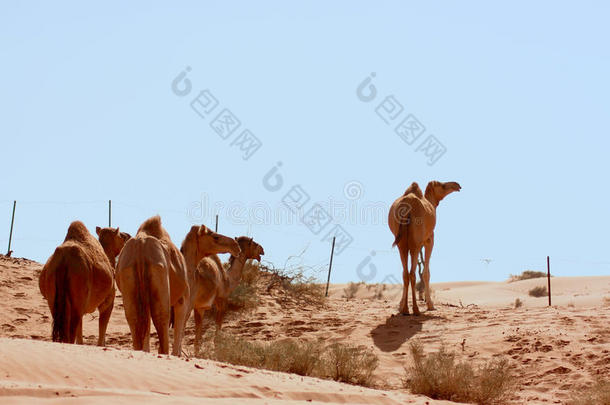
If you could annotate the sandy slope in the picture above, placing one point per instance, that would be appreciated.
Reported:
(554, 350)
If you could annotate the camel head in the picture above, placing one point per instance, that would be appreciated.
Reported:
(437, 190)
(112, 240)
(249, 248)
(212, 242)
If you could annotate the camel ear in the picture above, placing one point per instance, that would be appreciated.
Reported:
(196, 228)
(98, 230)
(117, 231)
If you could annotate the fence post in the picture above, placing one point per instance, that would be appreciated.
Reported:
(548, 276)
(10, 237)
(216, 227)
(330, 266)
(109, 213)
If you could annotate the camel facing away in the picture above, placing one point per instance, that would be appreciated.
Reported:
(112, 241)
(412, 219)
(77, 279)
(151, 275)
(215, 284)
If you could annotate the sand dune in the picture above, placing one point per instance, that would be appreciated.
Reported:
(553, 350)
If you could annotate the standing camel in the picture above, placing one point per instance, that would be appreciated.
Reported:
(112, 241)
(202, 242)
(215, 284)
(77, 279)
(412, 218)
(151, 275)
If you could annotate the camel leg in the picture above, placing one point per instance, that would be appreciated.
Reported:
(413, 277)
(180, 314)
(105, 309)
(79, 332)
(404, 302)
(429, 244)
(199, 312)
(221, 307)
(160, 318)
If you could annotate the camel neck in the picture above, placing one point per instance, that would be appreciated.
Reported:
(432, 199)
(236, 266)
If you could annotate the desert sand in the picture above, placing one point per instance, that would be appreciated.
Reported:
(554, 350)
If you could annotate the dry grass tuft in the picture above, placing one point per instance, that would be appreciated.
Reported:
(526, 275)
(598, 394)
(350, 291)
(518, 303)
(539, 291)
(439, 376)
(354, 365)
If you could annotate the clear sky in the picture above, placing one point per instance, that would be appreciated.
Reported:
(517, 95)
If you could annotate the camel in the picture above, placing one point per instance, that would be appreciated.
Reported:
(202, 242)
(75, 280)
(112, 241)
(151, 275)
(411, 219)
(215, 284)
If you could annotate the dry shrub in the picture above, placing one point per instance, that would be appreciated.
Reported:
(351, 364)
(518, 303)
(295, 283)
(338, 362)
(526, 275)
(379, 292)
(598, 394)
(606, 301)
(539, 291)
(439, 376)
(350, 291)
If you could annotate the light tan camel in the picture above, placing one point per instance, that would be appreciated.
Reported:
(112, 241)
(202, 242)
(412, 218)
(151, 275)
(77, 279)
(215, 284)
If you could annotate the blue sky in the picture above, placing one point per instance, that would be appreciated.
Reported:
(518, 95)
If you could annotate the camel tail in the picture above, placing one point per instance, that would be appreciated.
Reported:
(61, 304)
(142, 287)
(402, 230)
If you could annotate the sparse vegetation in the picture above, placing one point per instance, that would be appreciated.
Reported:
(439, 376)
(598, 394)
(539, 291)
(294, 283)
(526, 275)
(354, 365)
(350, 291)
(340, 362)
(518, 303)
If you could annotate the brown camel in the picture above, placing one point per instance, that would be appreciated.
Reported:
(412, 218)
(77, 279)
(215, 284)
(112, 241)
(151, 274)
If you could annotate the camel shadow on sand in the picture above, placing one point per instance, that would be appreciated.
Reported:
(397, 329)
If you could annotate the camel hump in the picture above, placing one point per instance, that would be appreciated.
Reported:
(208, 269)
(152, 226)
(77, 231)
(414, 189)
